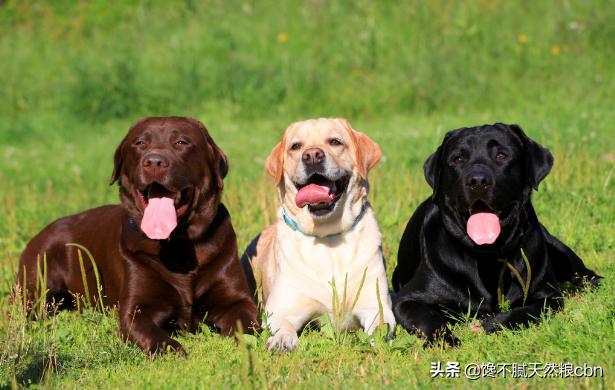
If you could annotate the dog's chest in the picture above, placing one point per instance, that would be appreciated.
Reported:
(187, 292)
(185, 274)
(314, 264)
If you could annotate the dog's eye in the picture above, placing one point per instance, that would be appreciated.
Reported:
(181, 142)
(501, 156)
(139, 142)
(457, 160)
(296, 146)
(334, 142)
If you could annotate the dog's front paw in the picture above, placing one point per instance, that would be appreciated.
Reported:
(493, 324)
(282, 342)
(167, 345)
(441, 336)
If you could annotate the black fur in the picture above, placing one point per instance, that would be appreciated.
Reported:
(441, 272)
(247, 267)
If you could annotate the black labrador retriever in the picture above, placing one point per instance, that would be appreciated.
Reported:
(476, 244)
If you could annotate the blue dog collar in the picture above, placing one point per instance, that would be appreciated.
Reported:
(295, 226)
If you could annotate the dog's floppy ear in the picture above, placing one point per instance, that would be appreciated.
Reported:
(220, 161)
(275, 161)
(118, 161)
(222, 164)
(118, 158)
(433, 165)
(538, 159)
(367, 152)
(432, 168)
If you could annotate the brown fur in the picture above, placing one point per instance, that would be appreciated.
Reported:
(159, 285)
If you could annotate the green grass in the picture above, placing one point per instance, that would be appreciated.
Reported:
(75, 76)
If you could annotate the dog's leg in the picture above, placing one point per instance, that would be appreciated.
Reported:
(284, 330)
(368, 311)
(287, 312)
(142, 326)
(370, 319)
(424, 320)
(521, 315)
(43, 273)
(227, 313)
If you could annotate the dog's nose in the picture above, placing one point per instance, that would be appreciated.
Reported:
(155, 163)
(313, 156)
(478, 180)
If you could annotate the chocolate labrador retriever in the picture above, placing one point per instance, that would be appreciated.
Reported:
(476, 244)
(167, 255)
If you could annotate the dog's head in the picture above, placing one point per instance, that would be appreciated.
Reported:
(320, 168)
(170, 172)
(482, 178)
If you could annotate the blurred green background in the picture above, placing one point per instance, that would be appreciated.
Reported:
(95, 61)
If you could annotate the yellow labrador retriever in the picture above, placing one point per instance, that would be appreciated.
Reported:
(326, 234)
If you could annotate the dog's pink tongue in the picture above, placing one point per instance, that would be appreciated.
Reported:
(159, 218)
(312, 194)
(483, 228)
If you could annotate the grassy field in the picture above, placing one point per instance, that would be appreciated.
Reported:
(75, 75)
